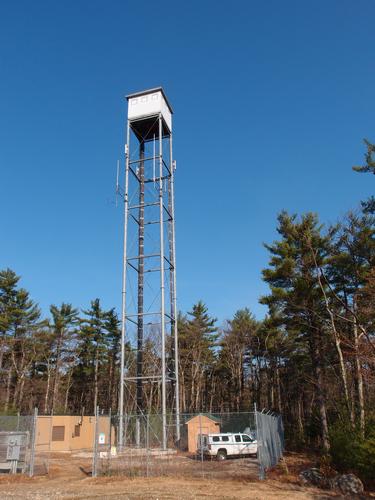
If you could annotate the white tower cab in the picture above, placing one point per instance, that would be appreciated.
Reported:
(149, 353)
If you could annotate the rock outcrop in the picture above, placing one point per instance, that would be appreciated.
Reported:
(315, 477)
(347, 484)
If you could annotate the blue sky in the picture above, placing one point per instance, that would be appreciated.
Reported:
(272, 100)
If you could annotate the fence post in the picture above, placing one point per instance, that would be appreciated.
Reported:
(200, 442)
(110, 429)
(50, 419)
(259, 444)
(138, 432)
(33, 443)
(95, 444)
(147, 442)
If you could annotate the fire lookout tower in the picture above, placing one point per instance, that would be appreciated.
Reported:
(149, 313)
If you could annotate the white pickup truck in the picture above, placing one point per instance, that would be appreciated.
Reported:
(226, 445)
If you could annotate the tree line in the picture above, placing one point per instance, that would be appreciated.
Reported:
(312, 358)
(58, 364)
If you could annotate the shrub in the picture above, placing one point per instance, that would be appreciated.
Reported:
(352, 453)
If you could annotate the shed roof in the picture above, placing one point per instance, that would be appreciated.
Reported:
(207, 415)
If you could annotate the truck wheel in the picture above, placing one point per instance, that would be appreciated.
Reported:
(221, 455)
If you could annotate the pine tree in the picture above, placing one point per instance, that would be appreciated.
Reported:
(368, 205)
(352, 259)
(295, 294)
(19, 321)
(64, 321)
(369, 165)
(236, 348)
(197, 339)
(93, 346)
(112, 327)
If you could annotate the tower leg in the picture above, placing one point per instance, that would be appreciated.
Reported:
(162, 290)
(141, 236)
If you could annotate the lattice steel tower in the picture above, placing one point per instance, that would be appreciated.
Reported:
(149, 375)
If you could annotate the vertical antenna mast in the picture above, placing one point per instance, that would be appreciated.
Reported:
(123, 301)
(117, 179)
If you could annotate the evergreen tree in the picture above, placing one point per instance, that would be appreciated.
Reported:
(19, 321)
(352, 259)
(295, 294)
(369, 165)
(93, 345)
(112, 327)
(236, 346)
(368, 205)
(197, 340)
(64, 321)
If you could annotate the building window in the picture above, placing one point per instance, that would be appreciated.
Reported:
(58, 433)
(77, 430)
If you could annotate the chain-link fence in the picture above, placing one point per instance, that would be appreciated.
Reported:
(24, 446)
(214, 445)
(270, 437)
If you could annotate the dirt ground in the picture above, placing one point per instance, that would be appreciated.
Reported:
(69, 478)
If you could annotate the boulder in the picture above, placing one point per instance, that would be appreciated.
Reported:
(348, 484)
(313, 477)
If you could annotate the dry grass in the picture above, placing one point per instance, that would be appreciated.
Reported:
(68, 479)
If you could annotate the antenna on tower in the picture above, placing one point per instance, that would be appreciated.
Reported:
(117, 178)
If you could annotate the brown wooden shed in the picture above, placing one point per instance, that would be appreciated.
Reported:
(200, 424)
(70, 433)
